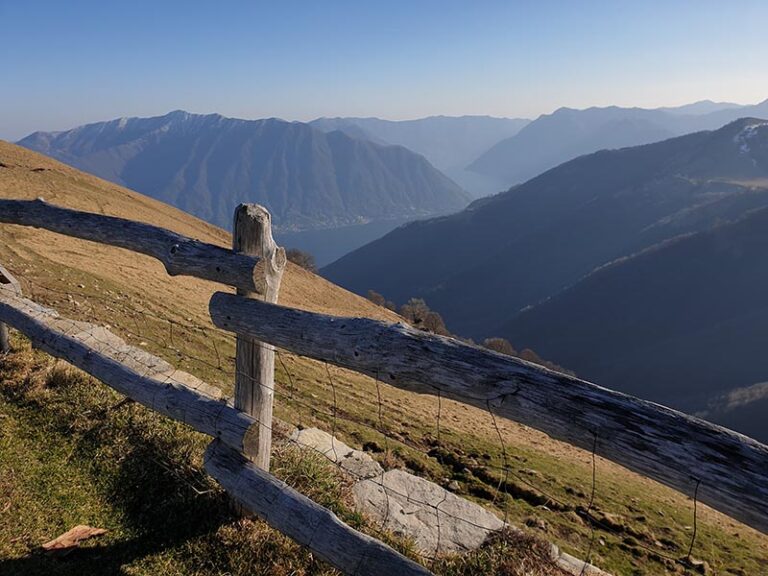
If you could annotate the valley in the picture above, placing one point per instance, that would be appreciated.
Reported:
(502, 260)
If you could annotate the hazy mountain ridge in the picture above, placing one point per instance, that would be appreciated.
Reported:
(701, 107)
(681, 323)
(446, 141)
(450, 143)
(480, 267)
(205, 164)
(567, 133)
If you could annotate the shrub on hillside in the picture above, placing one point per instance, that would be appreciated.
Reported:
(301, 258)
(501, 345)
(376, 298)
(421, 316)
(379, 300)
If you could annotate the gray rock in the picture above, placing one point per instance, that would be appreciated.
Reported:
(434, 518)
(355, 462)
(573, 565)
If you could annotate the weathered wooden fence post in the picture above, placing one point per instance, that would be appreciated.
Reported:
(254, 360)
(7, 281)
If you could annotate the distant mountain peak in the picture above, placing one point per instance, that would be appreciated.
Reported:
(741, 123)
(207, 163)
(568, 133)
(747, 127)
(180, 114)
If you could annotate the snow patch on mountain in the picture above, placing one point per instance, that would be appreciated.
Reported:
(746, 134)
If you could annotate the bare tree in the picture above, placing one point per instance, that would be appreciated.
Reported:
(301, 258)
(501, 345)
(421, 316)
(376, 298)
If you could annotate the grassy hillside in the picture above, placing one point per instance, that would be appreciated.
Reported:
(71, 453)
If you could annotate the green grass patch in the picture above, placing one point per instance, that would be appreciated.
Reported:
(74, 452)
(548, 491)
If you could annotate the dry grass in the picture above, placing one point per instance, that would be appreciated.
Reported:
(109, 283)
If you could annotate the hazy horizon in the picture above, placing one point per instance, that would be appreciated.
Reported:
(381, 117)
(69, 64)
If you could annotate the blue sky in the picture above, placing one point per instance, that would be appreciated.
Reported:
(70, 62)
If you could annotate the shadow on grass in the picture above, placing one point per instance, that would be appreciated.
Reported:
(158, 507)
(106, 560)
(140, 465)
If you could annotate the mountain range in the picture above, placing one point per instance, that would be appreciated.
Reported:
(565, 134)
(503, 264)
(449, 143)
(206, 164)
(335, 184)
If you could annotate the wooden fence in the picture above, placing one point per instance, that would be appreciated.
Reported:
(730, 470)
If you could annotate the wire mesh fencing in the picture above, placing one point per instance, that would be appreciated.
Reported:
(435, 441)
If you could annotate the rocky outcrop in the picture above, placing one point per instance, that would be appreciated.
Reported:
(355, 462)
(435, 519)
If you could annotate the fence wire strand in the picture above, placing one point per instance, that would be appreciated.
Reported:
(695, 517)
(591, 503)
(379, 405)
(293, 396)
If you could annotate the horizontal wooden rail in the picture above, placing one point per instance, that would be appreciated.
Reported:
(139, 375)
(8, 282)
(179, 254)
(300, 518)
(673, 448)
(156, 384)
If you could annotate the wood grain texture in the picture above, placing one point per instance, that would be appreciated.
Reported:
(5, 339)
(655, 441)
(179, 254)
(8, 282)
(132, 371)
(303, 520)
(255, 361)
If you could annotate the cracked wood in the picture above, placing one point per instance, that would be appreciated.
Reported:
(655, 441)
(179, 254)
(131, 371)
